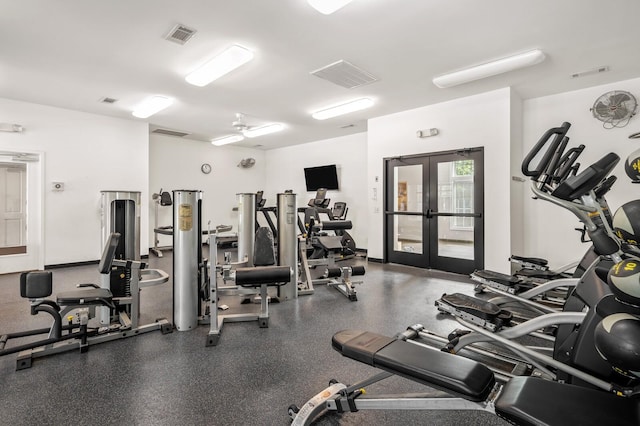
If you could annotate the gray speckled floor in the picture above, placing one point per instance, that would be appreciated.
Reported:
(250, 378)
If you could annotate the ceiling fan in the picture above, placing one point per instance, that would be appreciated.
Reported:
(245, 130)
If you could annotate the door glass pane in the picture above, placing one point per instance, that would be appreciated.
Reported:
(407, 234)
(453, 242)
(455, 195)
(407, 188)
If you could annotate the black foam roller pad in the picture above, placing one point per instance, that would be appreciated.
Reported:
(253, 277)
(357, 270)
(334, 225)
(332, 273)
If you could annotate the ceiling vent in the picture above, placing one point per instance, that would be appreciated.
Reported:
(169, 132)
(345, 74)
(107, 100)
(589, 72)
(180, 34)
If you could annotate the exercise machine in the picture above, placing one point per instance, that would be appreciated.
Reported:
(79, 307)
(471, 385)
(196, 289)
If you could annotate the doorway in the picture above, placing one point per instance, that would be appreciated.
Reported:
(434, 210)
(21, 240)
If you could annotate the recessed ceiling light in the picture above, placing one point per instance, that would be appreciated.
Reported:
(342, 109)
(227, 139)
(489, 69)
(263, 130)
(230, 59)
(327, 7)
(151, 106)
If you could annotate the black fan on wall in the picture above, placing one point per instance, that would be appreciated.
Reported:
(615, 108)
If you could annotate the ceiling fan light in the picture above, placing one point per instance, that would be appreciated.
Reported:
(342, 109)
(151, 106)
(327, 7)
(253, 132)
(227, 140)
(490, 69)
(227, 61)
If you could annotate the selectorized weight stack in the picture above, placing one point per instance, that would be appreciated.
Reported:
(187, 252)
(288, 242)
(120, 214)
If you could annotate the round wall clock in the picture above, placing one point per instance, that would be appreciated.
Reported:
(206, 168)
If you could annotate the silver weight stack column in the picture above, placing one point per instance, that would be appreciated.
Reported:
(120, 213)
(288, 242)
(187, 252)
(246, 227)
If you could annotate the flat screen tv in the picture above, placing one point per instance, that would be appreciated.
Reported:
(321, 177)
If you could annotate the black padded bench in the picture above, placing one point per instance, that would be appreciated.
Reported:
(453, 374)
(522, 401)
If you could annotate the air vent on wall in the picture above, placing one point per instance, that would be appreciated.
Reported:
(169, 132)
(180, 34)
(345, 74)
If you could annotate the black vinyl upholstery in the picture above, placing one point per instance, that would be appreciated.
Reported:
(456, 375)
(534, 401)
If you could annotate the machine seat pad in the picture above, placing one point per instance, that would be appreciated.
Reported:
(453, 374)
(330, 242)
(86, 296)
(259, 275)
(535, 401)
(504, 279)
(534, 260)
(472, 305)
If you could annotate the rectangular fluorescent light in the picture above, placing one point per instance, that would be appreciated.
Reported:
(230, 59)
(227, 139)
(342, 109)
(489, 69)
(151, 106)
(327, 7)
(263, 130)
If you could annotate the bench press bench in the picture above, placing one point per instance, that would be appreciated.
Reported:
(521, 401)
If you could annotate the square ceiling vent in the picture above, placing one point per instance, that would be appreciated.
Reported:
(345, 74)
(180, 34)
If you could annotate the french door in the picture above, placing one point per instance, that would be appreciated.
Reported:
(434, 210)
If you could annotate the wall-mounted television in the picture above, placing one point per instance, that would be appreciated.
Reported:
(321, 177)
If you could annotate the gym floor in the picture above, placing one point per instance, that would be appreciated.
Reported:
(249, 378)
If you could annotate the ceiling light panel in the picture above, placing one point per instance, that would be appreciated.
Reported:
(345, 74)
(263, 130)
(327, 7)
(227, 140)
(227, 61)
(151, 106)
(334, 111)
(489, 69)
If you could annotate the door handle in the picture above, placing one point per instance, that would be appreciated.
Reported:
(432, 213)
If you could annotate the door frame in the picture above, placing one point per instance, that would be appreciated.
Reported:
(34, 258)
(429, 258)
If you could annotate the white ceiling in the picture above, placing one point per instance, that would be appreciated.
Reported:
(72, 53)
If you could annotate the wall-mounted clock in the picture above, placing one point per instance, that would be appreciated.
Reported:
(206, 168)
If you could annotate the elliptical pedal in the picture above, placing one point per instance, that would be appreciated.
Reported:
(477, 311)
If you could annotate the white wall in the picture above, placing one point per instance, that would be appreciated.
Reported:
(549, 232)
(89, 153)
(477, 121)
(175, 164)
(518, 186)
(285, 170)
